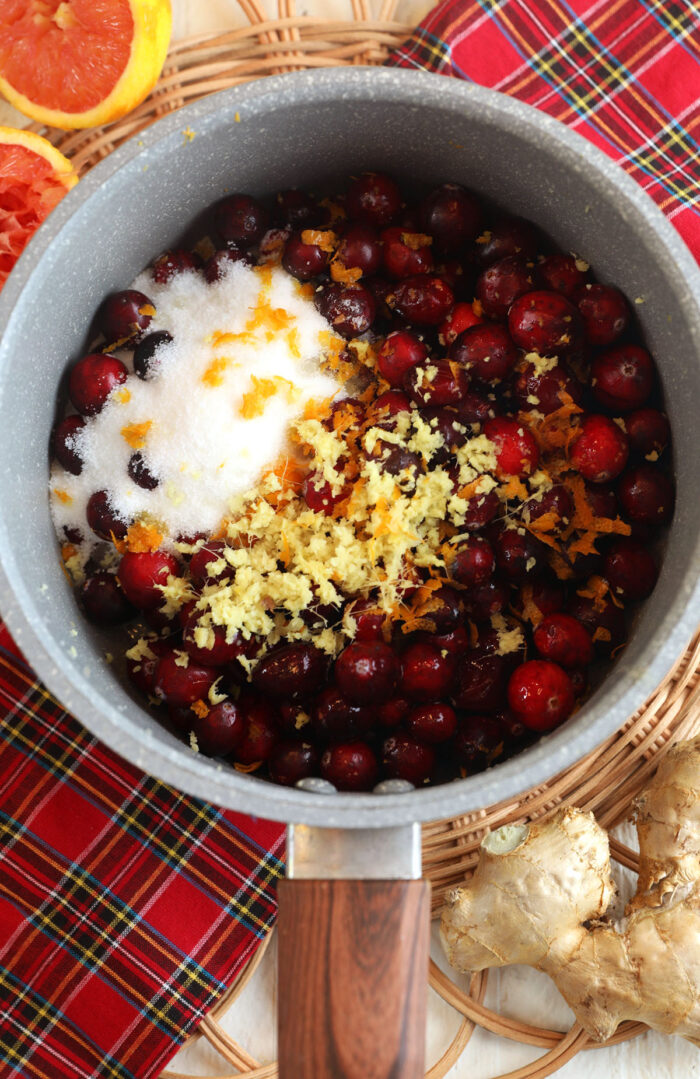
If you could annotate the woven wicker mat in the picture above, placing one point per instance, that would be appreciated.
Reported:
(607, 780)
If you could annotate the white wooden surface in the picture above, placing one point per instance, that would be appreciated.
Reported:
(515, 991)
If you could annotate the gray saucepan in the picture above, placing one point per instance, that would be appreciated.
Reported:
(295, 130)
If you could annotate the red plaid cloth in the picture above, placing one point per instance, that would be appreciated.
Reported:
(624, 73)
(126, 907)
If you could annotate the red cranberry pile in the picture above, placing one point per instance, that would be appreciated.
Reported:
(523, 346)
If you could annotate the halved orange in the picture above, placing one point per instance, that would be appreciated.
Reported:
(34, 176)
(81, 63)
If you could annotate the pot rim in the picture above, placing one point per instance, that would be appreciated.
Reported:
(205, 778)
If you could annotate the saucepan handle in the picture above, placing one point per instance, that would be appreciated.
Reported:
(353, 969)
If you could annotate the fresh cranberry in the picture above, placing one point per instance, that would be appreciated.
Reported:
(319, 495)
(360, 249)
(143, 574)
(515, 447)
(505, 237)
(366, 619)
(350, 766)
(492, 638)
(240, 219)
(545, 322)
(604, 312)
(460, 318)
(318, 616)
(445, 609)
(630, 569)
(174, 262)
(623, 377)
(600, 452)
(299, 209)
(206, 567)
(102, 517)
(455, 641)
(367, 672)
(541, 694)
(403, 464)
(564, 640)
(294, 670)
(480, 510)
(475, 408)
(556, 500)
(423, 299)
(426, 673)
(406, 253)
(146, 353)
(604, 621)
(579, 681)
(216, 266)
(432, 722)
(104, 601)
(350, 309)
(486, 352)
(500, 285)
(375, 198)
(392, 713)
(140, 473)
(437, 383)
(399, 353)
(260, 735)
(480, 682)
(303, 260)
(63, 444)
(602, 500)
(479, 742)
(142, 672)
(405, 758)
(387, 405)
(216, 652)
(548, 391)
(292, 761)
(336, 719)
(562, 273)
(648, 431)
(221, 730)
(452, 215)
(474, 561)
(484, 600)
(178, 684)
(93, 379)
(519, 555)
(125, 316)
(545, 595)
(445, 423)
(646, 494)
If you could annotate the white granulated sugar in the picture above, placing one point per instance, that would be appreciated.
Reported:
(252, 324)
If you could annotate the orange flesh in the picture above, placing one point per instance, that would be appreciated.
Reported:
(65, 54)
(29, 191)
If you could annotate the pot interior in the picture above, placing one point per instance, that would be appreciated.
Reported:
(309, 130)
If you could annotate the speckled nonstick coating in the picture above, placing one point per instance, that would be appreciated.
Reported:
(294, 129)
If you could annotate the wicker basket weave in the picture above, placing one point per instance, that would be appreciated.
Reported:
(606, 780)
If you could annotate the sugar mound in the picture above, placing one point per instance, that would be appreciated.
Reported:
(244, 361)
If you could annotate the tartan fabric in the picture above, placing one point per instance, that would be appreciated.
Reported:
(623, 73)
(126, 907)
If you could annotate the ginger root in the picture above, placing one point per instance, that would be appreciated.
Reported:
(540, 893)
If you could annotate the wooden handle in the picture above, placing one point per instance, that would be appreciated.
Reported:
(353, 978)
